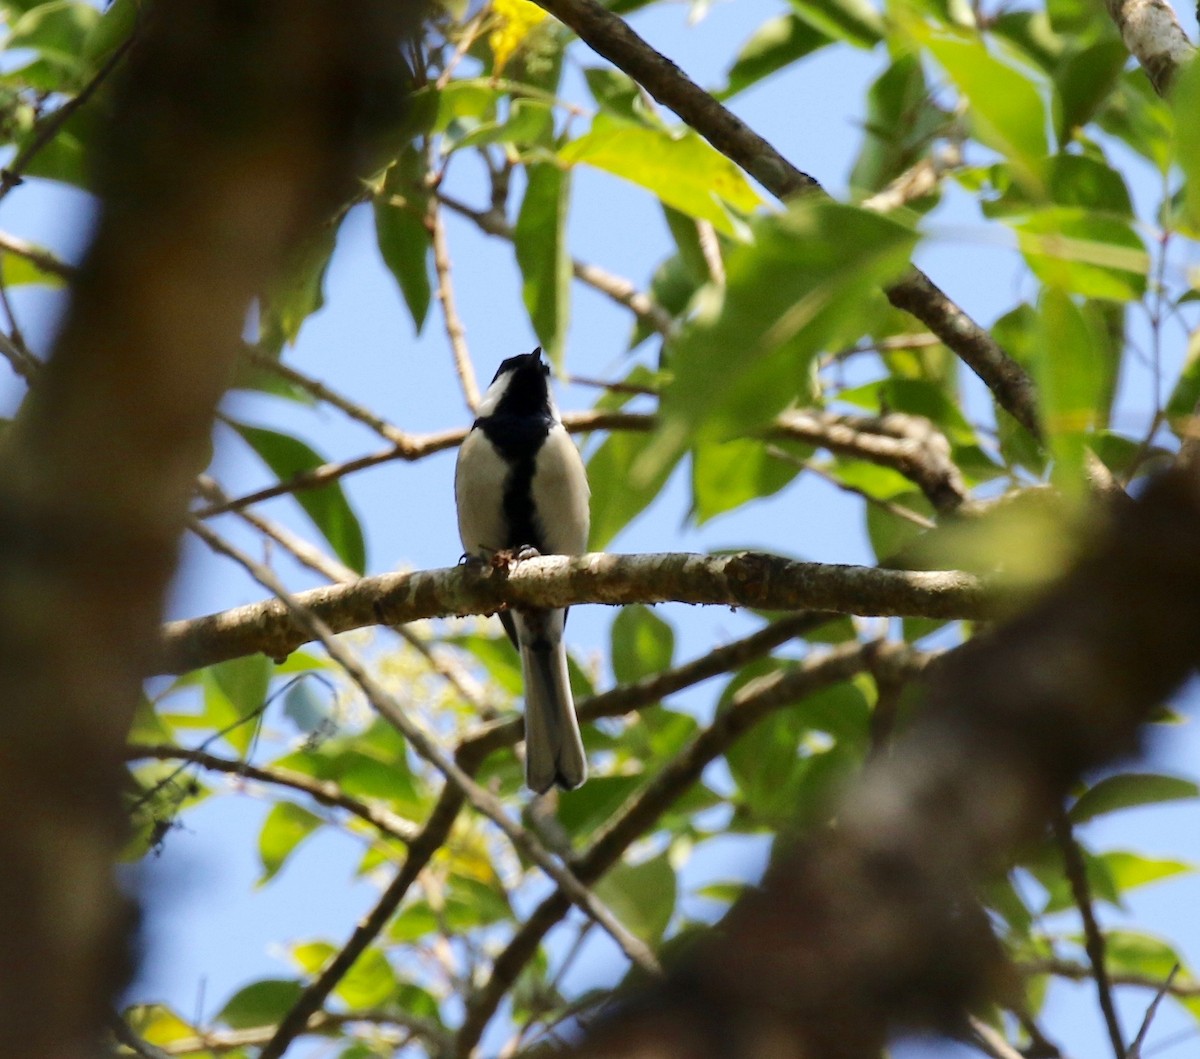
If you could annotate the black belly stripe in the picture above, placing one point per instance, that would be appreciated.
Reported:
(518, 439)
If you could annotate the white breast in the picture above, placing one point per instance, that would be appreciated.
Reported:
(560, 494)
(479, 478)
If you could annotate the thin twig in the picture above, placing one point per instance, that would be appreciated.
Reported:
(483, 801)
(1079, 972)
(455, 331)
(326, 792)
(750, 705)
(52, 124)
(1135, 1049)
(321, 392)
(618, 288)
(1076, 871)
(991, 1042)
(135, 1042)
(39, 257)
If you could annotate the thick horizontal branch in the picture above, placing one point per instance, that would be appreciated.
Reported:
(747, 579)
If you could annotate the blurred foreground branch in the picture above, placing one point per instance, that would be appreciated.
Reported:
(238, 127)
(867, 928)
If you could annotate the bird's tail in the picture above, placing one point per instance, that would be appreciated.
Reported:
(553, 747)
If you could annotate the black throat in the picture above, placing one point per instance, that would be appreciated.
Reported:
(517, 428)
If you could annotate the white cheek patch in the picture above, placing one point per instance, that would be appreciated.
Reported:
(495, 393)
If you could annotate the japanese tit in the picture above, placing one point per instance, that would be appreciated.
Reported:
(520, 483)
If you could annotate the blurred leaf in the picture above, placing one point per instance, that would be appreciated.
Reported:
(404, 244)
(369, 983)
(729, 473)
(1069, 372)
(111, 30)
(617, 498)
(902, 121)
(1006, 112)
(618, 94)
(262, 1003)
(471, 904)
(158, 1024)
(1181, 405)
(1088, 183)
(56, 31)
(326, 505)
(514, 20)
(307, 710)
(583, 810)
(245, 681)
(777, 43)
(1137, 116)
(800, 287)
(497, 656)
(1128, 790)
(642, 896)
(1185, 102)
(286, 826)
(1083, 81)
(540, 240)
(1086, 253)
(642, 644)
(414, 921)
(17, 270)
(890, 534)
(298, 292)
(680, 168)
(855, 22)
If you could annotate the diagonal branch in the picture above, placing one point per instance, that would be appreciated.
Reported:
(481, 800)
(746, 579)
(750, 706)
(608, 35)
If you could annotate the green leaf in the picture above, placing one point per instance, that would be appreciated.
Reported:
(581, 811)
(17, 270)
(404, 244)
(1128, 790)
(680, 168)
(1069, 371)
(856, 22)
(326, 505)
(1138, 116)
(298, 292)
(244, 681)
(57, 31)
(1088, 183)
(642, 896)
(1185, 102)
(286, 826)
(1006, 111)
(111, 30)
(616, 498)
(369, 983)
(777, 43)
(618, 94)
(1083, 81)
(642, 644)
(902, 121)
(729, 473)
(540, 240)
(1181, 405)
(1086, 253)
(262, 1003)
(800, 287)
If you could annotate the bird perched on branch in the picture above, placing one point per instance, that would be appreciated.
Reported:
(520, 485)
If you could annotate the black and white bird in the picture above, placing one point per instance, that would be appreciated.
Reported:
(520, 483)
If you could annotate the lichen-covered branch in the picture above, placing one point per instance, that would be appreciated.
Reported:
(1153, 35)
(747, 579)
